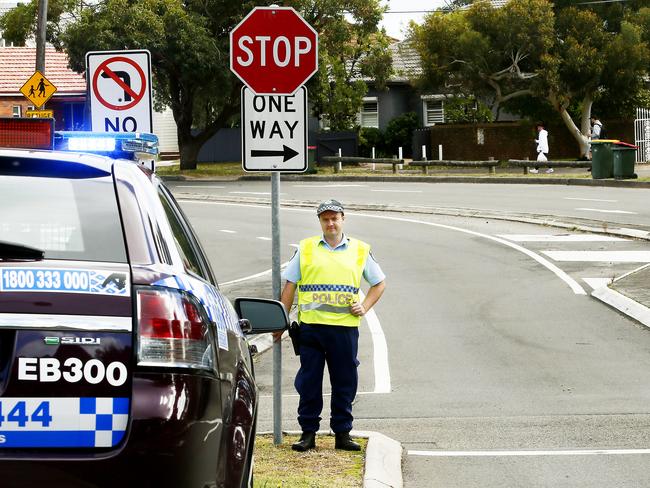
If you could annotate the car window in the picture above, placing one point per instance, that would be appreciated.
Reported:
(188, 253)
(74, 219)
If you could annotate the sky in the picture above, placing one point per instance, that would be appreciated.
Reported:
(396, 23)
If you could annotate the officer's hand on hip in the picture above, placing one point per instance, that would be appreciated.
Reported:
(357, 309)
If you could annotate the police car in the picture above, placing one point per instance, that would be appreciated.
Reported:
(121, 363)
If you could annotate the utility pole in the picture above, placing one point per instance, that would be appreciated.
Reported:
(41, 29)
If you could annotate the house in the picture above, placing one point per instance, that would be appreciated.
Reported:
(17, 65)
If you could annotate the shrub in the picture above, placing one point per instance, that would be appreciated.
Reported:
(399, 132)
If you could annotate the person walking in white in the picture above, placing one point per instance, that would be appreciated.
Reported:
(542, 147)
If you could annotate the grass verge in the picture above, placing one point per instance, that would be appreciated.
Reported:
(323, 467)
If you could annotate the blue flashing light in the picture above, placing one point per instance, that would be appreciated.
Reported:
(126, 145)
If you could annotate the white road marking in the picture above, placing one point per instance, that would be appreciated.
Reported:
(198, 186)
(632, 272)
(264, 238)
(256, 275)
(399, 191)
(590, 199)
(252, 193)
(560, 238)
(380, 351)
(597, 256)
(328, 186)
(574, 452)
(607, 211)
(294, 245)
(573, 284)
(636, 232)
(228, 231)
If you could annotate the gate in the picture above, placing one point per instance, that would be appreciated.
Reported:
(642, 134)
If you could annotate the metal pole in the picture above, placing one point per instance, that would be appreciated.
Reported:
(40, 36)
(276, 279)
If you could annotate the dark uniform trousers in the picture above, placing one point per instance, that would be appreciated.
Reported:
(337, 346)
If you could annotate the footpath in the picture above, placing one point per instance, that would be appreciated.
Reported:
(629, 294)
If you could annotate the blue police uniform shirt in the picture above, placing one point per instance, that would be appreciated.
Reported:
(372, 273)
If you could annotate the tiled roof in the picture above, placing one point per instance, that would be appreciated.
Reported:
(17, 64)
(406, 62)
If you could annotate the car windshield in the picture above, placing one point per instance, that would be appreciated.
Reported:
(67, 219)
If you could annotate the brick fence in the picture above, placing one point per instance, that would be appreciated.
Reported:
(512, 140)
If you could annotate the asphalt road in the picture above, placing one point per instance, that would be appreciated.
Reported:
(628, 206)
(501, 374)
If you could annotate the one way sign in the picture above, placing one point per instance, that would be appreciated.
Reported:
(274, 131)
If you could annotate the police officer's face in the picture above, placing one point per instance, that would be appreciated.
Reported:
(332, 223)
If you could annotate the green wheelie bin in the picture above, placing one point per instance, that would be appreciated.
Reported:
(624, 159)
(602, 158)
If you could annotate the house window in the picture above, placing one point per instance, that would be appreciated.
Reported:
(369, 115)
(16, 111)
(433, 109)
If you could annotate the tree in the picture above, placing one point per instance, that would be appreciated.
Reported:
(566, 57)
(189, 44)
(352, 52)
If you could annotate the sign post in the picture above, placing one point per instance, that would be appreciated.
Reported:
(119, 84)
(274, 51)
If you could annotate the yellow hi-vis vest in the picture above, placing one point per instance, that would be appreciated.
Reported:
(329, 282)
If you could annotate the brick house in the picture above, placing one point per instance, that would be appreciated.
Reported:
(17, 64)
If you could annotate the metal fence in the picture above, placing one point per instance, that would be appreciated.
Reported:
(642, 134)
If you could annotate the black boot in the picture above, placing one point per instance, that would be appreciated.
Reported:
(307, 441)
(345, 442)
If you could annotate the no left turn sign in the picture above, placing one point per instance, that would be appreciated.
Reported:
(120, 90)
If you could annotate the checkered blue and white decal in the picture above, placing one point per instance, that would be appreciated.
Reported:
(92, 281)
(63, 422)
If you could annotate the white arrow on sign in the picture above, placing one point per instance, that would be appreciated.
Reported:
(274, 131)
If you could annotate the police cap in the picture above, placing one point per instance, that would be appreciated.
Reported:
(333, 205)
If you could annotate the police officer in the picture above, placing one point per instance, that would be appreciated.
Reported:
(326, 270)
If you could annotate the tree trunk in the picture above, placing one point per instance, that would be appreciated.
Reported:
(581, 139)
(189, 150)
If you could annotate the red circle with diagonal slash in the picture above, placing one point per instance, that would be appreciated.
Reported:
(136, 96)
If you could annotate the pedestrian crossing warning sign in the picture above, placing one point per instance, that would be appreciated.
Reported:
(38, 89)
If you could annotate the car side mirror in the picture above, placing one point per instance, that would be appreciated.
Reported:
(263, 315)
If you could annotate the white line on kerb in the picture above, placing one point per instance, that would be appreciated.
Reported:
(590, 199)
(560, 238)
(576, 452)
(398, 191)
(606, 211)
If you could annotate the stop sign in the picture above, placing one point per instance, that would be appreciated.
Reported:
(273, 50)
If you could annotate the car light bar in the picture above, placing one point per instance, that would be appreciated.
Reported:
(128, 145)
(26, 133)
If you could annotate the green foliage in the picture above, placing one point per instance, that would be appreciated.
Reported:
(466, 110)
(189, 44)
(18, 23)
(399, 133)
(559, 55)
(370, 137)
(352, 51)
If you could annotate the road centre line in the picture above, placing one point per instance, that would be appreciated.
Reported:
(228, 231)
(600, 256)
(198, 186)
(606, 211)
(560, 238)
(574, 285)
(574, 452)
(590, 199)
(398, 191)
(329, 186)
(264, 238)
(266, 193)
